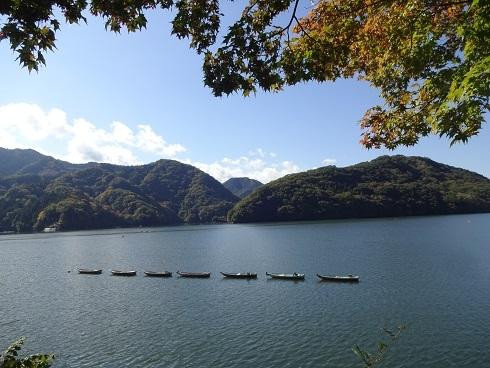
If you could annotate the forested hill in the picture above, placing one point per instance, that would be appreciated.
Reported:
(242, 187)
(386, 186)
(27, 161)
(38, 191)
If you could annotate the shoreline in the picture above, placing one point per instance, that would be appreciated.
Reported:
(186, 226)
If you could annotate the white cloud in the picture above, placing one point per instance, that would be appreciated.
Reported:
(261, 153)
(122, 133)
(31, 122)
(258, 152)
(88, 143)
(25, 125)
(28, 125)
(252, 167)
(329, 161)
(149, 141)
(7, 140)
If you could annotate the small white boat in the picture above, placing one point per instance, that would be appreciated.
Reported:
(348, 278)
(240, 275)
(49, 230)
(286, 276)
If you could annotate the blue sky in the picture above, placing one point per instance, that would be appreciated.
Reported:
(136, 98)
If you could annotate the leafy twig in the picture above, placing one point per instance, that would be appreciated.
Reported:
(372, 359)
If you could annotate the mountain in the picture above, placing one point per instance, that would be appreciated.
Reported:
(242, 187)
(27, 161)
(386, 186)
(38, 191)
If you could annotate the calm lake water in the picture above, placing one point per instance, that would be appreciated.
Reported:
(431, 273)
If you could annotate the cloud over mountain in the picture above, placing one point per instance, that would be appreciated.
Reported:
(28, 125)
(78, 140)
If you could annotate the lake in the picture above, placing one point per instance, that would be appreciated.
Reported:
(430, 273)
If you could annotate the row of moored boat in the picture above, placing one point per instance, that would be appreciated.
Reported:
(240, 275)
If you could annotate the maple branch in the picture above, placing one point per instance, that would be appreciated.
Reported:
(293, 17)
(302, 29)
(246, 12)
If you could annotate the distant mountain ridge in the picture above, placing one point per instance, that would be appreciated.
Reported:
(386, 186)
(38, 191)
(242, 187)
(30, 162)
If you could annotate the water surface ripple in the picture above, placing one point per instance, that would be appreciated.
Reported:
(432, 273)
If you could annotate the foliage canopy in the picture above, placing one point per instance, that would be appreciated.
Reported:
(10, 358)
(429, 59)
(372, 359)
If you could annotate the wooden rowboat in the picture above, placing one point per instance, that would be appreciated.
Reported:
(123, 273)
(86, 271)
(196, 275)
(242, 275)
(158, 274)
(348, 278)
(286, 276)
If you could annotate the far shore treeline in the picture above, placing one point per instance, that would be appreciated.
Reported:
(38, 191)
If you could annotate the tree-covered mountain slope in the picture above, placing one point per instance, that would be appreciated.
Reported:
(242, 187)
(27, 161)
(386, 186)
(38, 191)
